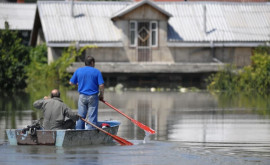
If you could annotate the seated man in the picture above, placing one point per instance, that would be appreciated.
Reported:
(55, 112)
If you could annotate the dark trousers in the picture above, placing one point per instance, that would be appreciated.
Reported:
(69, 124)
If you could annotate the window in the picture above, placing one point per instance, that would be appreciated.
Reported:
(133, 35)
(135, 29)
(154, 34)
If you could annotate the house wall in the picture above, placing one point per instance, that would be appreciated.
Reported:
(234, 55)
(240, 56)
(54, 53)
(191, 54)
(145, 13)
(108, 54)
(40, 37)
(162, 53)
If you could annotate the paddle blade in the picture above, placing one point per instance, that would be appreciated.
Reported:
(142, 126)
(121, 141)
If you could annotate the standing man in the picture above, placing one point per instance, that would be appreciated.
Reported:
(90, 84)
(55, 112)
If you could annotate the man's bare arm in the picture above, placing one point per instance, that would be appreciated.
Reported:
(101, 92)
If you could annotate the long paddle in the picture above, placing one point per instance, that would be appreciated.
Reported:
(142, 126)
(121, 141)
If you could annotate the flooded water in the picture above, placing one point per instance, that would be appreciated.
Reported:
(192, 128)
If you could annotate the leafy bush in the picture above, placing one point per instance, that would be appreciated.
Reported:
(43, 77)
(252, 78)
(223, 80)
(42, 74)
(50, 75)
(38, 64)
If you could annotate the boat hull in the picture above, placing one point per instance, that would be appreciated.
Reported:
(63, 137)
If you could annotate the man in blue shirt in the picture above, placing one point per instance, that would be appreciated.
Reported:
(90, 84)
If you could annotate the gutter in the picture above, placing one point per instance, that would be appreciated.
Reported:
(217, 44)
(77, 44)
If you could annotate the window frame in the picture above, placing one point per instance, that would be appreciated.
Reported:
(156, 35)
(135, 34)
(135, 31)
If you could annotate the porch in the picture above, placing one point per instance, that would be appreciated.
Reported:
(125, 67)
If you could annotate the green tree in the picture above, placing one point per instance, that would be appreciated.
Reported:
(14, 58)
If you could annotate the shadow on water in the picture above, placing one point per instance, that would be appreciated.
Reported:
(192, 128)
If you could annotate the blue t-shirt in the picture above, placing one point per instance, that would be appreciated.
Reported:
(88, 79)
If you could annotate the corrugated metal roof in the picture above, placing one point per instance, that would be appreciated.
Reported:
(91, 21)
(225, 22)
(19, 16)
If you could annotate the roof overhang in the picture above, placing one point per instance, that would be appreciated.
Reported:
(137, 5)
(78, 44)
(170, 44)
(218, 44)
(19, 16)
(127, 67)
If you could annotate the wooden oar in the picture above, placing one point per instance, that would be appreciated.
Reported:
(142, 126)
(121, 141)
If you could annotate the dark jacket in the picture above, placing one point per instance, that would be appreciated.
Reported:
(54, 112)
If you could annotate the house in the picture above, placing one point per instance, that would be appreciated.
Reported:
(20, 17)
(154, 40)
(243, 1)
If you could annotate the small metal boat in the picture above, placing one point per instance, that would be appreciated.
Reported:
(67, 137)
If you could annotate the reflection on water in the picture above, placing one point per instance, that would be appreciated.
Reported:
(189, 117)
(195, 127)
(212, 126)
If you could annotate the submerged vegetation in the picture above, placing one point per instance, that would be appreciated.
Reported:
(250, 79)
(43, 77)
(40, 73)
(252, 102)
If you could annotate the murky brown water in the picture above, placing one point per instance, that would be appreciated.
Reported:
(192, 128)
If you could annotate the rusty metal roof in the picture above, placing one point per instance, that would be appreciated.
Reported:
(19, 16)
(91, 21)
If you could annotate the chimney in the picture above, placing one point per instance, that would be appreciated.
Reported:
(72, 8)
(204, 20)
